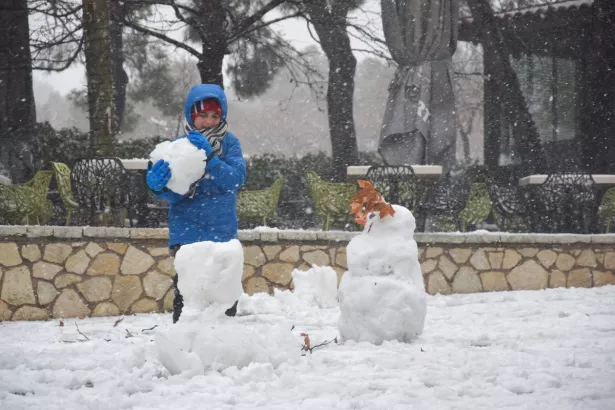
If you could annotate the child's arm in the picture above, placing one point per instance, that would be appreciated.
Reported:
(228, 174)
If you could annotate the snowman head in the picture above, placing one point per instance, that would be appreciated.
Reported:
(402, 223)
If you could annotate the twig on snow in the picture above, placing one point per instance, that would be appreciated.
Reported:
(87, 338)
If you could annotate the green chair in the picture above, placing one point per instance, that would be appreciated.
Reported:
(27, 201)
(62, 175)
(606, 211)
(331, 200)
(478, 206)
(259, 205)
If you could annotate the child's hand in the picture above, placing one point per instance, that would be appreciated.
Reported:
(158, 176)
(198, 140)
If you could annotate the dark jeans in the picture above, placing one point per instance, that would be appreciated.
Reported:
(178, 300)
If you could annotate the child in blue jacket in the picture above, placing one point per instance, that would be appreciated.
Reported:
(208, 211)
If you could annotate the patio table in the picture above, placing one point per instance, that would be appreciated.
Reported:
(603, 180)
(428, 173)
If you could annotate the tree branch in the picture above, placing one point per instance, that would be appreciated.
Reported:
(162, 37)
(249, 21)
(171, 3)
(238, 35)
(69, 61)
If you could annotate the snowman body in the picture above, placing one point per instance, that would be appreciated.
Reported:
(382, 295)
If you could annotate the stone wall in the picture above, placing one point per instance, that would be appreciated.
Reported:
(55, 272)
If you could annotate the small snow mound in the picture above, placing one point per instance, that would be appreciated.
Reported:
(186, 161)
(196, 347)
(316, 286)
(259, 303)
(210, 272)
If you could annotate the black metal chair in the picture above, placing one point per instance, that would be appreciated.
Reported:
(509, 206)
(564, 203)
(444, 201)
(102, 188)
(146, 210)
(397, 184)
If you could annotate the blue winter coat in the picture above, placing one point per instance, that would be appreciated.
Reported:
(211, 213)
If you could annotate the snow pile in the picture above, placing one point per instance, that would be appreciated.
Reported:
(382, 296)
(316, 286)
(552, 349)
(199, 345)
(209, 272)
(205, 338)
(186, 161)
(315, 289)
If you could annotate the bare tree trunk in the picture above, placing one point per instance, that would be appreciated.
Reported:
(214, 42)
(507, 86)
(99, 69)
(210, 68)
(117, 12)
(17, 108)
(331, 29)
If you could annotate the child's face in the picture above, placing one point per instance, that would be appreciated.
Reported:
(206, 119)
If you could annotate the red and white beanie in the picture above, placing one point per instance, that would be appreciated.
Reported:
(209, 104)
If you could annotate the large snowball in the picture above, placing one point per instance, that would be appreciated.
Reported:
(211, 342)
(382, 296)
(209, 272)
(186, 161)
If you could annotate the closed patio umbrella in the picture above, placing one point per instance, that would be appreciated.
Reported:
(419, 121)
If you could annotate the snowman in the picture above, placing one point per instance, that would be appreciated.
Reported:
(382, 295)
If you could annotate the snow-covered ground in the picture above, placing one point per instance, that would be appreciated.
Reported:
(552, 349)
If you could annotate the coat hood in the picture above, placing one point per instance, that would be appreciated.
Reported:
(201, 92)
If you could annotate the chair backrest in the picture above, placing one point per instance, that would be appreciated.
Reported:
(478, 191)
(561, 188)
(608, 201)
(40, 183)
(330, 197)
(397, 184)
(62, 174)
(98, 179)
(450, 194)
(276, 189)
